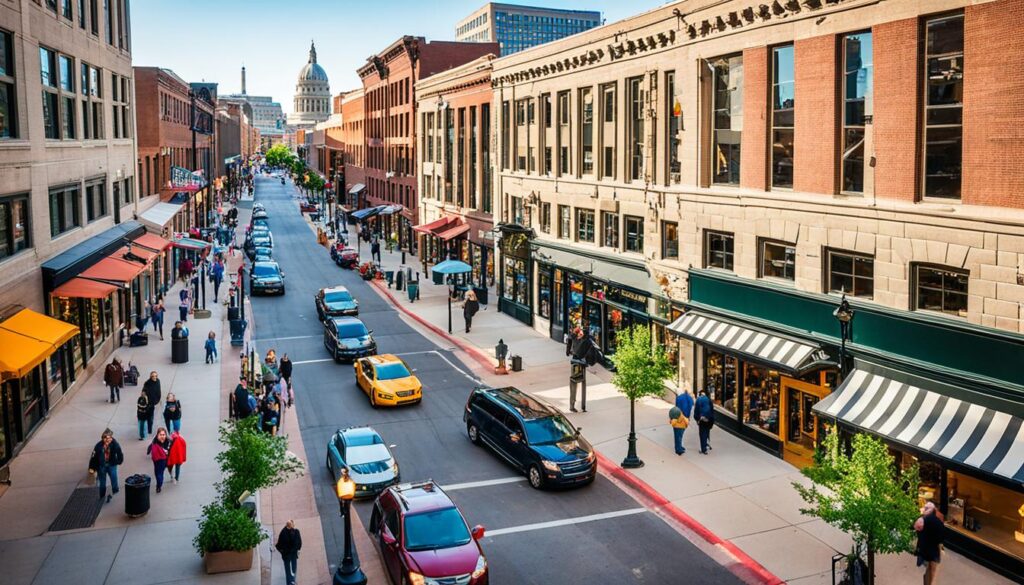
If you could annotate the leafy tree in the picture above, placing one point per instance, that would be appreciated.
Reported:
(862, 493)
(252, 460)
(314, 182)
(279, 155)
(640, 371)
(297, 166)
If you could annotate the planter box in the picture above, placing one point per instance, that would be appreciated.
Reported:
(228, 561)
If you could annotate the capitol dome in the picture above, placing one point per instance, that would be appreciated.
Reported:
(312, 94)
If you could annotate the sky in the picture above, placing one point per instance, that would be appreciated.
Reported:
(210, 40)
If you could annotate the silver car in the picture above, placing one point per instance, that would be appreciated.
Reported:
(368, 459)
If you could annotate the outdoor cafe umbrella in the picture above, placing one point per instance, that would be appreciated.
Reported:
(452, 267)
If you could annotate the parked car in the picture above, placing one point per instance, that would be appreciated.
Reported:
(261, 237)
(260, 224)
(348, 338)
(347, 258)
(266, 277)
(262, 254)
(422, 537)
(259, 213)
(334, 301)
(369, 460)
(387, 380)
(534, 437)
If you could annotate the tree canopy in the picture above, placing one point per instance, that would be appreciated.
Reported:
(641, 368)
(279, 155)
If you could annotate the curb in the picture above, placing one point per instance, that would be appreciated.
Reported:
(744, 567)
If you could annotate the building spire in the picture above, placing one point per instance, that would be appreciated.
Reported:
(312, 51)
(243, 78)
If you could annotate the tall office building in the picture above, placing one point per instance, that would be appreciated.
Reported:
(516, 27)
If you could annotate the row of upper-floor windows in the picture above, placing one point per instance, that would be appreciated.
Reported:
(395, 93)
(480, 20)
(86, 13)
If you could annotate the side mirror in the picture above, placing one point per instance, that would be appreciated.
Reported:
(578, 431)
(387, 538)
(478, 532)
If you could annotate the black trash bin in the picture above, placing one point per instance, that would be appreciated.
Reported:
(517, 363)
(179, 350)
(481, 294)
(234, 313)
(136, 495)
(437, 276)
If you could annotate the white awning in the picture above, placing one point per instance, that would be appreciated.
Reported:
(160, 215)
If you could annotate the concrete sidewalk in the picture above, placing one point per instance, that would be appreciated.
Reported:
(740, 496)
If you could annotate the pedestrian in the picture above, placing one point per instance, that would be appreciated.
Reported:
(113, 377)
(704, 412)
(469, 308)
(289, 543)
(271, 414)
(106, 456)
(142, 412)
(152, 390)
(211, 347)
(285, 370)
(184, 268)
(158, 450)
(172, 413)
(582, 353)
(185, 298)
(217, 276)
(931, 534)
(241, 400)
(681, 419)
(176, 455)
(157, 316)
(375, 250)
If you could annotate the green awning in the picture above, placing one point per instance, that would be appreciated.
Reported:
(190, 244)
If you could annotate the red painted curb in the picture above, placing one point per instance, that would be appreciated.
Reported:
(748, 566)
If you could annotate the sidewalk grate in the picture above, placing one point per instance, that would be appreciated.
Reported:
(81, 511)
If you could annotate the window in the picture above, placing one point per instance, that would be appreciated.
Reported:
(68, 103)
(984, 512)
(544, 292)
(564, 133)
(460, 166)
(92, 108)
(471, 178)
(120, 95)
(585, 225)
(14, 225)
(728, 118)
(65, 212)
(95, 201)
(607, 137)
(545, 101)
(857, 108)
(634, 234)
(545, 217)
(522, 135)
(94, 16)
(8, 112)
(586, 131)
(783, 102)
(564, 221)
(850, 273)
(449, 151)
(108, 16)
(718, 250)
(81, 13)
(610, 230)
(65, 9)
(940, 289)
(778, 260)
(485, 156)
(669, 240)
(943, 111)
(674, 114)
(516, 209)
(636, 128)
(505, 121)
(51, 104)
(720, 379)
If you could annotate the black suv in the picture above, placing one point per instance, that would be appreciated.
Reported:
(534, 437)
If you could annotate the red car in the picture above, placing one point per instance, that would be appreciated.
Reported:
(423, 538)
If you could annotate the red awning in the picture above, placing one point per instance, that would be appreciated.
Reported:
(114, 270)
(152, 241)
(83, 288)
(434, 226)
(144, 253)
(456, 228)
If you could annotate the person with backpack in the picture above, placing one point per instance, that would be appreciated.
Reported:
(142, 412)
(113, 377)
(679, 418)
(106, 456)
(172, 413)
(704, 412)
(582, 352)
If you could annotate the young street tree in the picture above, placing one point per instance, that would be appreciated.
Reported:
(279, 155)
(862, 494)
(640, 371)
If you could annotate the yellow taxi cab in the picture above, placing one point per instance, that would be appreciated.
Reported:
(387, 380)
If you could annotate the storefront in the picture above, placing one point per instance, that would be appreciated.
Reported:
(160, 271)
(515, 279)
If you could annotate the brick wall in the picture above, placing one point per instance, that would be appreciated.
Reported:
(993, 172)
(816, 142)
(896, 109)
(754, 143)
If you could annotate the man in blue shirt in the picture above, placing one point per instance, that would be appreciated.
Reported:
(704, 412)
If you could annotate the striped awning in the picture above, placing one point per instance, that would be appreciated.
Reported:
(750, 344)
(931, 420)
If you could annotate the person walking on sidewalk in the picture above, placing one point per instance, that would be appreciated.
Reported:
(289, 543)
(185, 298)
(285, 370)
(176, 455)
(172, 413)
(931, 534)
(153, 394)
(681, 420)
(142, 412)
(582, 353)
(470, 307)
(211, 347)
(704, 412)
(113, 377)
(242, 409)
(106, 456)
(217, 276)
(375, 250)
(185, 269)
(157, 316)
(158, 450)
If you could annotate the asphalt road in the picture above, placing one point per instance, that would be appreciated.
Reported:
(602, 535)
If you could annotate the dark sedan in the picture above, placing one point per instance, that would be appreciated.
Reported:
(335, 301)
(266, 277)
(348, 338)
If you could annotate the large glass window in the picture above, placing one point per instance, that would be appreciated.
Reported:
(941, 289)
(634, 234)
(545, 217)
(95, 201)
(718, 250)
(783, 103)
(564, 221)
(8, 111)
(449, 154)
(985, 512)
(544, 291)
(727, 110)
(610, 229)
(51, 104)
(673, 114)
(460, 168)
(669, 240)
(515, 288)
(608, 134)
(65, 212)
(943, 124)
(761, 398)
(14, 225)
(485, 157)
(778, 260)
(858, 73)
(720, 379)
(849, 273)
(585, 225)
(505, 133)
(637, 97)
(586, 131)
(471, 178)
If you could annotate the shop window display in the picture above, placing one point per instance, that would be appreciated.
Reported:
(761, 398)
(575, 302)
(720, 379)
(986, 512)
(544, 292)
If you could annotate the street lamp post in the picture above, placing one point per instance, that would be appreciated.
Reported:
(844, 314)
(348, 572)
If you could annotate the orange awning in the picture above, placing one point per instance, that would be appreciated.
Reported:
(83, 288)
(144, 253)
(114, 269)
(152, 241)
(38, 326)
(27, 339)
(456, 228)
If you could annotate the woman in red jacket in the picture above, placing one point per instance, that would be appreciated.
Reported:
(176, 456)
(158, 450)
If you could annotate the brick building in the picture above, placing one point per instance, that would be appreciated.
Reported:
(353, 187)
(455, 178)
(390, 115)
(725, 172)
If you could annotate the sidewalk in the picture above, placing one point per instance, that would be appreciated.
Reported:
(739, 498)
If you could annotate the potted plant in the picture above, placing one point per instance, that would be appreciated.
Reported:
(227, 538)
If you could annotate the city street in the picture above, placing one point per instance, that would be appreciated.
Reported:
(595, 534)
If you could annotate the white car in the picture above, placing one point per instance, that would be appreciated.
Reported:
(368, 459)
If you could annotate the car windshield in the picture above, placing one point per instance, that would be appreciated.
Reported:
(338, 296)
(434, 530)
(264, 270)
(371, 467)
(551, 429)
(349, 330)
(392, 371)
(363, 440)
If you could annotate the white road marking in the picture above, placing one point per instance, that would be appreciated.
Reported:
(287, 338)
(470, 377)
(485, 483)
(313, 361)
(566, 522)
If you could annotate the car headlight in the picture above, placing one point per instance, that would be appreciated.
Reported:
(415, 578)
(481, 567)
(591, 457)
(394, 467)
(550, 465)
(385, 396)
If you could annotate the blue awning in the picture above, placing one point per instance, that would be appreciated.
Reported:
(367, 213)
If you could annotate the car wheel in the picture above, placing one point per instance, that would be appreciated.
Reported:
(474, 433)
(536, 477)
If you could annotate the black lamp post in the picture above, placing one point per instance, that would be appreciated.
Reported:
(844, 314)
(348, 572)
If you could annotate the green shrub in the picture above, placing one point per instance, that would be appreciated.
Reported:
(252, 460)
(225, 528)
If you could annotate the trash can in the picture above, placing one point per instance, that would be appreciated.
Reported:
(238, 331)
(517, 363)
(413, 288)
(179, 350)
(437, 276)
(234, 313)
(136, 495)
